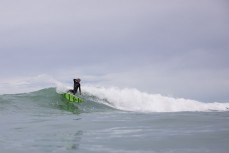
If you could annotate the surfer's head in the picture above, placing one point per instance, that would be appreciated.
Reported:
(77, 80)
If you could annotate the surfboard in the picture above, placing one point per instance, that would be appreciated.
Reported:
(72, 98)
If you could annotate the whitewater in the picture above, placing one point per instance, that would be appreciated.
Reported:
(134, 100)
(34, 117)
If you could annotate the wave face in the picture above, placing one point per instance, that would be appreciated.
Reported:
(46, 99)
(99, 99)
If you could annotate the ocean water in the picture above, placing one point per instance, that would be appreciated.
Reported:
(111, 120)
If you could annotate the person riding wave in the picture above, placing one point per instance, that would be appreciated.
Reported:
(76, 86)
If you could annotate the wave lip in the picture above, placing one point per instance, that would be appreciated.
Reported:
(133, 100)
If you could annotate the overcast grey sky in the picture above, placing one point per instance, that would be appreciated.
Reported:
(171, 47)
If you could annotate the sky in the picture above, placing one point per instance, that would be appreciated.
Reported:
(178, 48)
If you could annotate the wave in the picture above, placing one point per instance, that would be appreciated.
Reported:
(128, 99)
(112, 98)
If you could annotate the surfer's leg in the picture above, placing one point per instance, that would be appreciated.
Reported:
(75, 91)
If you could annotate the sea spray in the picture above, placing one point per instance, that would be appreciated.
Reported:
(30, 84)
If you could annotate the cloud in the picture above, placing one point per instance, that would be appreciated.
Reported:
(166, 43)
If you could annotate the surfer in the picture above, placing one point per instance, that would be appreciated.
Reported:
(76, 86)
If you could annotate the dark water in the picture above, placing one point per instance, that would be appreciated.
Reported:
(43, 121)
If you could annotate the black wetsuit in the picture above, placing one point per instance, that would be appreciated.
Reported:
(76, 87)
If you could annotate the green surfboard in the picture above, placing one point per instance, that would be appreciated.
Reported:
(72, 98)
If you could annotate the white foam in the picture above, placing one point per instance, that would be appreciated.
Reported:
(133, 100)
